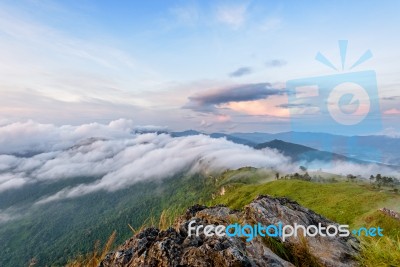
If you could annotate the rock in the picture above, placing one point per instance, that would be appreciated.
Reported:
(323, 251)
(390, 213)
(174, 247)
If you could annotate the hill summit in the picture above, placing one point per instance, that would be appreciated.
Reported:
(175, 247)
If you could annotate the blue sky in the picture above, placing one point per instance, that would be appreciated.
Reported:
(205, 65)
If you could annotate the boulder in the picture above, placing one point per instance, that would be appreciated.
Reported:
(176, 248)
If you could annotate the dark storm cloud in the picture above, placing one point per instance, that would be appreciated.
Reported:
(210, 99)
(275, 63)
(240, 72)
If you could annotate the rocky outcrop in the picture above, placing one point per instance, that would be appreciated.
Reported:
(175, 247)
(318, 250)
(390, 213)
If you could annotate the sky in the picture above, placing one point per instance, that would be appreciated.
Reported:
(224, 66)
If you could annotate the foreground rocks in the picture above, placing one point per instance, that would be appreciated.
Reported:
(390, 213)
(174, 247)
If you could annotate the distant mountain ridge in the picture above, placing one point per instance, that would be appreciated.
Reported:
(228, 137)
(371, 148)
(304, 153)
(359, 149)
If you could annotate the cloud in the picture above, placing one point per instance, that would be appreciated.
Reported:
(18, 26)
(392, 111)
(209, 100)
(113, 155)
(391, 132)
(163, 156)
(206, 124)
(160, 156)
(223, 118)
(232, 15)
(240, 72)
(275, 63)
(262, 109)
(300, 108)
(32, 137)
(121, 159)
(10, 181)
(344, 168)
(271, 24)
(187, 15)
(8, 215)
(391, 98)
(65, 72)
(300, 105)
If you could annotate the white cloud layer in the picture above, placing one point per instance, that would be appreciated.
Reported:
(115, 155)
(6, 216)
(29, 136)
(117, 158)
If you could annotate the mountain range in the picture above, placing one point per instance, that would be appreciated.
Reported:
(306, 146)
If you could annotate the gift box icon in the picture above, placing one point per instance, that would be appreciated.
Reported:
(343, 103)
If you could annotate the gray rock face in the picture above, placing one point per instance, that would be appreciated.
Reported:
(174, 247)
(329, 251)
(390, 213)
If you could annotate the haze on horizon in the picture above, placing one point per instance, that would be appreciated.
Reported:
(212, 66)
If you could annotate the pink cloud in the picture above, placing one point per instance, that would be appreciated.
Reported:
(269, 107)
(223, 118)
(392, 111)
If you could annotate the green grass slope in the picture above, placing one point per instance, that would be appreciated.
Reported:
(342, 202)
(350, 203)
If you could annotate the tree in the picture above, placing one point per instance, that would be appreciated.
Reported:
(351, 177)
(303, 169)
(277, 175)
(371, 178)
(306, 177)
(378, 178)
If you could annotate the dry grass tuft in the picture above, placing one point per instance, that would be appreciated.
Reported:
(94, 258)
